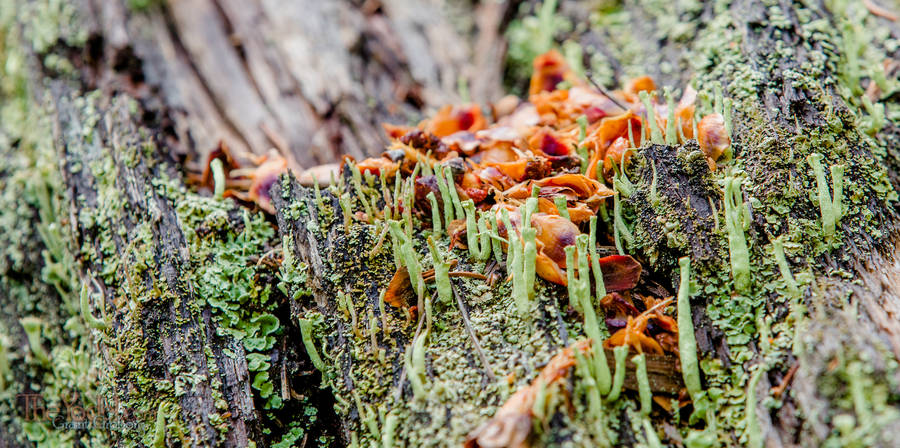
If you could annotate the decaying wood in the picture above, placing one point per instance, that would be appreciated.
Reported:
(313, 79)
(340, 265)
(316, 79)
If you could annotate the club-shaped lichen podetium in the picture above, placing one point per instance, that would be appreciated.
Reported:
(89, 318)
(356, 179)
(753, 431)
(595, 411)
(435, 215)
(347, 211)
(412, 263)
(582, 148)
(218, 172)
(580, 298)
(496, 241)
(572, 284)
(785, 269)
(444, 189)
(640, 372)
(620, 229)
(595, 260)
(655, 133)
(159, 428)
(32, 326)
(562, 206)
(306, 334)
(514, 262)
(620, 354)
(454, 195)
(441, 273)
(737, 220)
(477, 237)
(671, 133)
(830, 207)
(687, 343)
(529, 248)
(415, 364)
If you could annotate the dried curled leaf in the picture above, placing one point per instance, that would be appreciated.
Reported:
(511, 426)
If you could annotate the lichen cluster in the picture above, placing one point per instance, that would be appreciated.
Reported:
(770, 233)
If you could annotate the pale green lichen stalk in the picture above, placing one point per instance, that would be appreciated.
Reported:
(356, 179)
(218, 172)
(640, 372)
(830, 207)
(451, 188)
(514, 262)
(671, 132)
(410, 260)
(562, 206)
(620, 230)
(4, 362)
(306, 333)
(32, 326)
(620, 354)
(496, 241)
(346, 210)
(159, 429)
(753, 431)
(599, 285)
(580, 298)
(595, 409)
(477, 237)
(737, 220)
(441, 273)
(444, 189)
(415, 365)
(89, 318)
(387, 432)
(655, 132)
(435, 214)
(687, 342)
(582, 148)
(529, 253)
(784, 268)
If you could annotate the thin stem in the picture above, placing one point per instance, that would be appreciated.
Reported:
(736, 219)
(306, 334)
(783, 267)
(619, 353)
(435, 214)
(655, 133)
(218, 172)
(640, 372)
(92, 321)
(489, 371)
(347, 211)
(599, 285)
(479, 248)
(687, 342)
(562, 206)
(671, 133)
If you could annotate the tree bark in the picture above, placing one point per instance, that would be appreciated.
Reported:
(106, 105)
(106, 101)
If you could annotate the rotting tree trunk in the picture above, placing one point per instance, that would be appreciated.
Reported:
(99, 175)
(183, 336)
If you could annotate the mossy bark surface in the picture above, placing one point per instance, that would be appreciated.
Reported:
(105, 104)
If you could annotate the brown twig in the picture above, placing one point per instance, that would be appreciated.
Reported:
(465, 317)
(604, 91)
(785, 382)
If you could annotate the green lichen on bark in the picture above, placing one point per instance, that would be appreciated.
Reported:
(816, 80)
